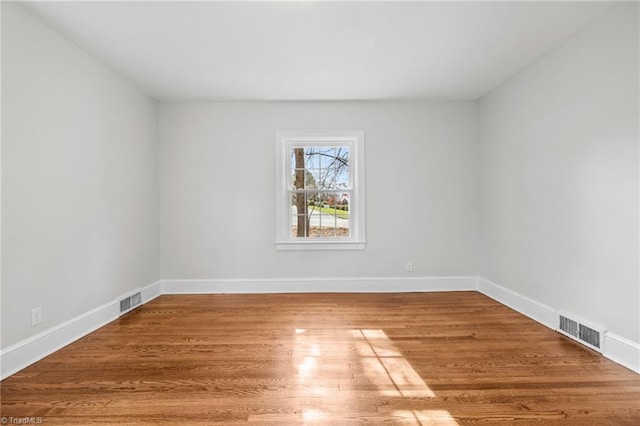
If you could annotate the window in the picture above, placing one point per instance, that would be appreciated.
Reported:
(320, 190)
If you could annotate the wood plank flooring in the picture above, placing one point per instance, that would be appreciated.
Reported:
(338, 359)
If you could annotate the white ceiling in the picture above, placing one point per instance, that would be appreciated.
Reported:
(316, 50)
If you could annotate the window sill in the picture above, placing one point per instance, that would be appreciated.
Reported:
(319, 245)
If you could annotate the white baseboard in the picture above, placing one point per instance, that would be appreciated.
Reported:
(24, 353)
(616, 348)
(320, 285)
(526, 306)
(151, 291)
(622, 351)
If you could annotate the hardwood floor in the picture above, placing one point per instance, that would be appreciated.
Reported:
(339, 359)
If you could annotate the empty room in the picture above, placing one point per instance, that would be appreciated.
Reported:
(317, 212)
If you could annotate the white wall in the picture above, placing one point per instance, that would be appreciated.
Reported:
(79, 180)
(559, 177)
(217, 189)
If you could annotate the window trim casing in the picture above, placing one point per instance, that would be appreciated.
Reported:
(285, 139)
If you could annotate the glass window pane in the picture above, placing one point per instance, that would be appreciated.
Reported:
(299, 226)
(310, 180)
(297, 158)
(320, 214)
(296, 179)
(325, 167)
(324, 211)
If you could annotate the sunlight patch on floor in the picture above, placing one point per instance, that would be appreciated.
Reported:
(313, 415)
(389, 366)
(373, 359)
(427, 417)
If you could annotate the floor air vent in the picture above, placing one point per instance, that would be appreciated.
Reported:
(130, 302)
(579, 331)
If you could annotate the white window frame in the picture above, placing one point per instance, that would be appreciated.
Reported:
(285, 140)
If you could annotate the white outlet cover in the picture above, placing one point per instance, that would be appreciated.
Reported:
(36, 316)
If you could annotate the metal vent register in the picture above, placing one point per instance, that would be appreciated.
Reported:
(587, 335)
(130, 302)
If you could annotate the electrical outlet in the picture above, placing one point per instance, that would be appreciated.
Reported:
(36, 316)
(408, 266)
